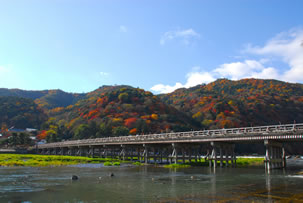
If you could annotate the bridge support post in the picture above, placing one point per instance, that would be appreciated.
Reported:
(92, 151)
(275, 155)
(226, 153)
(183, 155)
(61, 151)
(189, 154)
(146, 153)
(221, 156)
(122, 153)
(55, 152)
(174, 153)
(138, 150)
(161, 156)
(283, 158)
(131, 153)
(43, 151)
(100, 151)
(71, 151)
(81, 151)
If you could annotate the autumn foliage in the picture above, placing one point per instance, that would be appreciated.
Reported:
(124, 110)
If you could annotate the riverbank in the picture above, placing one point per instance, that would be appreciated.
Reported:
(46, 160)
(57, 160)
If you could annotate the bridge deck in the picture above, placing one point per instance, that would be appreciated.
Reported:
(289, 132)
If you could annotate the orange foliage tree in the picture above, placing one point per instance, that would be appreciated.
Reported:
(42, 135)
(133, 131)
(130, 122)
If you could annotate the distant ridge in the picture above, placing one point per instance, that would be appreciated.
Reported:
(109, 110)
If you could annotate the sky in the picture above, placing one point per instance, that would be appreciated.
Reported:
(159, 45)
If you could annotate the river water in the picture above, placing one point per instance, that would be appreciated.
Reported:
(148, 184)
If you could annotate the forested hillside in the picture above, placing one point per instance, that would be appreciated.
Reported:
(225, 103)
(124, 110)
(45, 98)
(119, 110)
(20, 113)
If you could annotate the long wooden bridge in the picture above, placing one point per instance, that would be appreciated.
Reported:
(217, 146)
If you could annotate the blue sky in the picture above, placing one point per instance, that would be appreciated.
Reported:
(79, 45)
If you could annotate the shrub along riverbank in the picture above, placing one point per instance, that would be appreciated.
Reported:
(57, 160)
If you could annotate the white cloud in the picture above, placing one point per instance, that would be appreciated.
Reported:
(196, 78)
(285, 47)
(104, 74)
(234, 71)
(288, 48)
(193, 79)
(184, 35)
(166, 88)
(123, 28)
(246, 69)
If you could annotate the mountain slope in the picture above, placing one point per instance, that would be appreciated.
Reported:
(132, 109)
(226, 103)
(20, 113)
(46, 98)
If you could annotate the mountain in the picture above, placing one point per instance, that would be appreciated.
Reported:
(121, 109)
(248, 102)
(20, 113)
(46, 98)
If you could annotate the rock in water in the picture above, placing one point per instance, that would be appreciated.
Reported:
(74, 177)
(111, 175)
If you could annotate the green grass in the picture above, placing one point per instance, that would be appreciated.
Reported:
(137, 163)
(241, 162)
(57, 160)
(107, 163)
(177, 166)
(116, 163)
(46, 160)
(250, 161)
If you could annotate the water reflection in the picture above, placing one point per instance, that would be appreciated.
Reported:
(146, 183)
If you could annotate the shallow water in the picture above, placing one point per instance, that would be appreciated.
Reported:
(148, 184)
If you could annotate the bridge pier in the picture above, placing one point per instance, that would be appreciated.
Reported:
(43, 151)
(48, 151)
(70, 151)
(55, 151)
(222, 152)
(122, 153)
(275, 155)
(174, 155)
(146, 153)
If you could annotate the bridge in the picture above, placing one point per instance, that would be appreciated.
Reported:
(217, 146)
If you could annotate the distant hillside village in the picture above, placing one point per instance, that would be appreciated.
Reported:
(13, 137)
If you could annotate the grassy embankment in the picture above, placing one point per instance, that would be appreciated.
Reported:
(56, 160)
(48, 160)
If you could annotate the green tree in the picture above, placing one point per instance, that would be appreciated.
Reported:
(120, 131)
(104, 130)
(93, 128)
(123, 97)
(82, 132)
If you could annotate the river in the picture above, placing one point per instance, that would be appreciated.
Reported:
(148, 184)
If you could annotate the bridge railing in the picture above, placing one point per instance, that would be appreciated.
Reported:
(272, 129)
